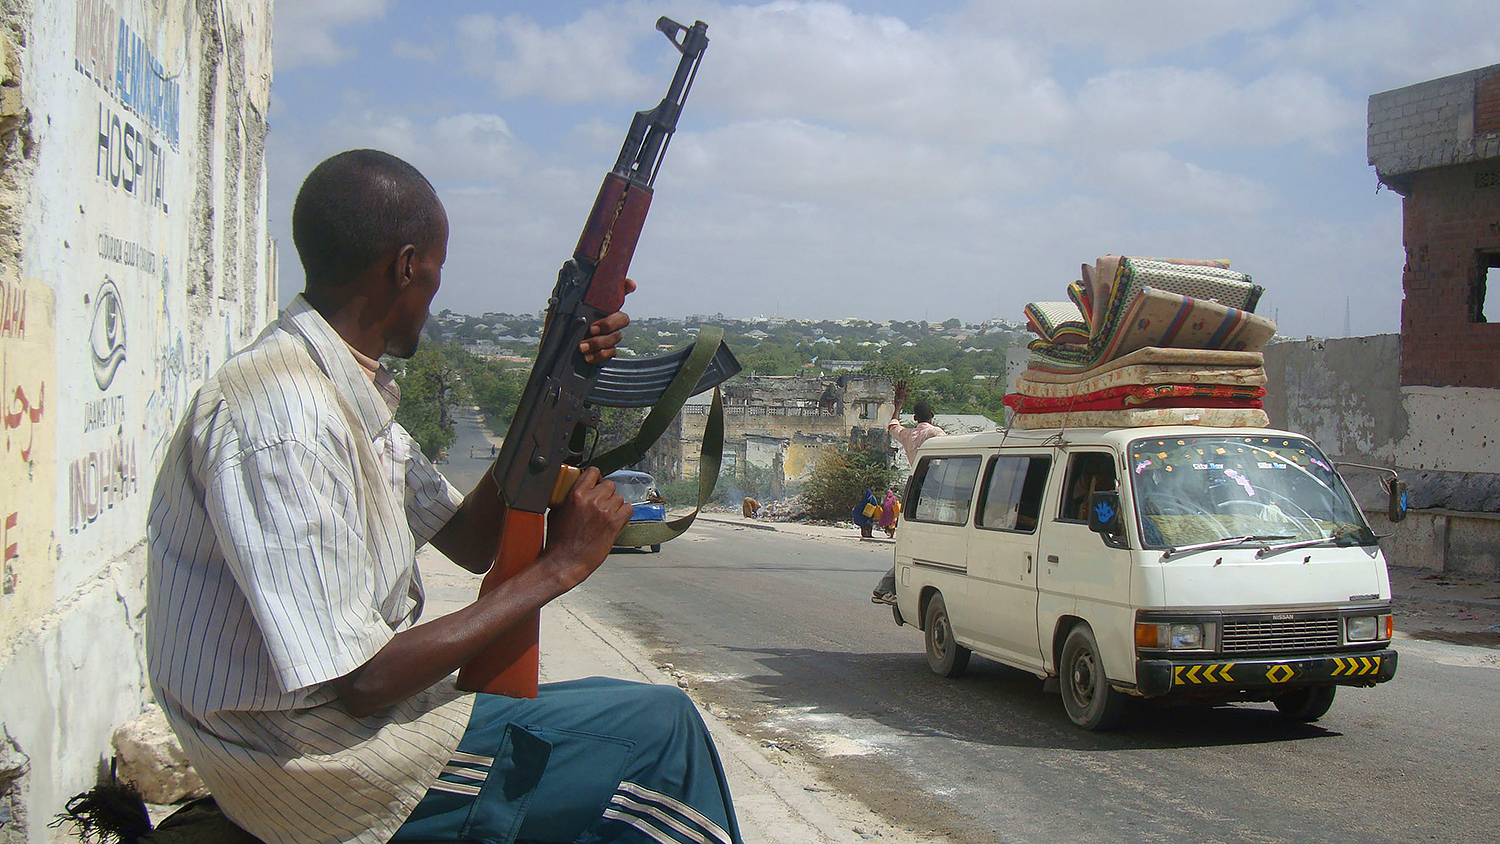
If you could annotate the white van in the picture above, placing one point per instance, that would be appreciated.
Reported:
(1199, 564)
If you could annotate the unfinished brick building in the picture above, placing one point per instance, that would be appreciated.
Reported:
(1437, 144)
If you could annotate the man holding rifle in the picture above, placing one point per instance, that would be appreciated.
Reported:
(283, 588)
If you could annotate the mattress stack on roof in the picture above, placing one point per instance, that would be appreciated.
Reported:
(1146, 341)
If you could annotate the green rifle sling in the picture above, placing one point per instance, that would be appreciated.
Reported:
(710, 454)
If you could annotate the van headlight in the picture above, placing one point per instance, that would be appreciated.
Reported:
(1176, 636)
(1368, 628)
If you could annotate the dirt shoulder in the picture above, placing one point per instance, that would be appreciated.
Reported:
(1458, 608)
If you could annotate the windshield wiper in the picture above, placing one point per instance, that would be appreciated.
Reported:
(1225, 543)
(1342, 540)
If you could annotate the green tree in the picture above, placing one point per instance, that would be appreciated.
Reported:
(429, 384)
(839, 479)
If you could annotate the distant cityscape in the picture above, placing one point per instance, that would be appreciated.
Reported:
(769, 345)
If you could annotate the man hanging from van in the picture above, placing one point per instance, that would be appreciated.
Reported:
(910, 438)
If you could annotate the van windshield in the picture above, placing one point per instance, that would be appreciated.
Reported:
(1192, 490)
(636, 490)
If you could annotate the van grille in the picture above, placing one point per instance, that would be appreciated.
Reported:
(1289, 635)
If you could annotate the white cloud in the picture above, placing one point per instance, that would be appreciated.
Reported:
(1124, 32)
(823, 61)
(304, 30)
(791, 161)
(583, 60)
(1151, 106)
(1390, 44)
(1154, 181)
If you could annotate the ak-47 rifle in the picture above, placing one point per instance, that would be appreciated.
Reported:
(548, 439)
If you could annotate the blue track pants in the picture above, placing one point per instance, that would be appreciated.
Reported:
(586, 761)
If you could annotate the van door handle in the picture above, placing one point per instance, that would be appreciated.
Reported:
(1028, 562)
(1052, 559)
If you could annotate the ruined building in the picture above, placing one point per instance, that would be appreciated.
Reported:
(779, 423)
(133, 260)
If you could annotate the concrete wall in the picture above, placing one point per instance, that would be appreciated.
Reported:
(133, 260)
(1347, 396)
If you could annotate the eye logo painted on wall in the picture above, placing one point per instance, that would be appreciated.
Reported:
(107, 334)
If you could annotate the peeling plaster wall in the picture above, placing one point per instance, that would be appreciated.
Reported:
(133, 261)
(1347, 396)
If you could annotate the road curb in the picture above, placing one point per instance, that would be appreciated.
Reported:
(721, 520)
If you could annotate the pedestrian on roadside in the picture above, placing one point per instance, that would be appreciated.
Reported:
(912, 437)
(867, 513)
(889, 509)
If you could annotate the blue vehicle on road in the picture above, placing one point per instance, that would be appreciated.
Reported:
(639, 488)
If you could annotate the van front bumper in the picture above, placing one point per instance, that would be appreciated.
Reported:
(1156, 677)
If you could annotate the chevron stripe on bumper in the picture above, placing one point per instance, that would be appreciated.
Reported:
(1156, 677)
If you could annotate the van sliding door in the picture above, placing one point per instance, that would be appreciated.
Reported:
(1002, 556)
(936, 524)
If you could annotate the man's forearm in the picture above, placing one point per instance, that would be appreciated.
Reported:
(472, 537)
(416, 658)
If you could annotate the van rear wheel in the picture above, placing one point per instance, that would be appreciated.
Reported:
(1306, 704)
(945, 656)
(1087, 695)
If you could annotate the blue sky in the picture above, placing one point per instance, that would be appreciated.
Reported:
(885, 160)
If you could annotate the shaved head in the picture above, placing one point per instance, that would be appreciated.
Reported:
(355, 208)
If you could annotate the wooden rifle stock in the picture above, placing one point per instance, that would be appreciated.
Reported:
(510, 664)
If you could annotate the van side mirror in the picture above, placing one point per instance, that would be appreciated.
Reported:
(1396, 507)
(1104, 517)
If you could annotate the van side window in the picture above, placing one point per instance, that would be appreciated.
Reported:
(1088, 473)
(1012, 497)
(942, 488)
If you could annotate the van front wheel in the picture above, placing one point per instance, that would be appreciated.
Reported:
(1091, 702)
(945, 655)
(1306, 704)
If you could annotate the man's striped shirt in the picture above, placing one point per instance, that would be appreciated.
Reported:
(283, 533)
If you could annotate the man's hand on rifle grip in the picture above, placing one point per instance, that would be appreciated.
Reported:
(604, 335)
(581, 532)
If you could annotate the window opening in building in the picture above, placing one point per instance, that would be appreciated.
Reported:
(1487, 287)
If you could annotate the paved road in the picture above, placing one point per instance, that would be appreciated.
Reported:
(776, 628)
(470, 438)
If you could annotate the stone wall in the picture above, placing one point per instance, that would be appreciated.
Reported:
(133, 260)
